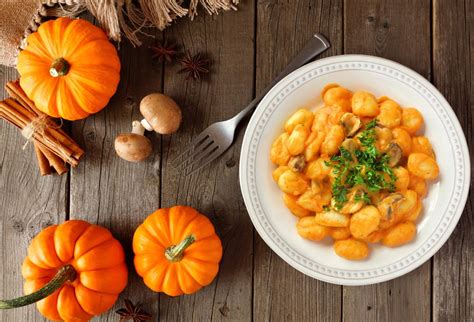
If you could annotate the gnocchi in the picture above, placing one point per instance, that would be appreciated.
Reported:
(418, 185)
(390, 114)
(309, 229)
(332, 219)
(300, 117)
(403, 178)
(399, 234)
(313, 145)
(421, 144)
(351, 248)
(364, 222)
(333, 140)
(295, 143)
(279, 152)
(422, 166)
(338, 96)
(365, 104)
(355, 170)
(403, 139)
(412, 120)
(292, 183)
(413, 214)
(339, 233)
(291, 203)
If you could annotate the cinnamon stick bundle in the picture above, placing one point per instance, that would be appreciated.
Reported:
(53, 147)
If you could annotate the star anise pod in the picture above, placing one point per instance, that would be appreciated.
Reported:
(165, 52)
(133, 312)
(194, 66)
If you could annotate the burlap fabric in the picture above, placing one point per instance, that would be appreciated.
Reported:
(16, 18)
(128, 17)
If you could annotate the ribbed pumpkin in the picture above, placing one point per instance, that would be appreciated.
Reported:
(73, 271)
(177, 251)
(69, 68)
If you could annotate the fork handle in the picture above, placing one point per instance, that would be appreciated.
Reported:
(313, 48)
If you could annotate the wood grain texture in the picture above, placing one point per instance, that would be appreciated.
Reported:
(227, 40)
(247, 49)
(280, 292)
(107, 190)
(453, 75)
(28, 202)
(397, 30)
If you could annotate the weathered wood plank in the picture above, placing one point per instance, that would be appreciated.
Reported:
(28, 202)
(453, 75)
(280, 292)
(228, 41)
(397, 30)
(107, 190)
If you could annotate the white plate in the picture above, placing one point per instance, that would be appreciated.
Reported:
(263, 199)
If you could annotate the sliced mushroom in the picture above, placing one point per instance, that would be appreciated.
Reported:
(297, 163)
(353, 204)
(351, 145)
(389, 205)
(351, 124)
(395, 153)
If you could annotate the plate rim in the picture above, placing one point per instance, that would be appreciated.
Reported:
(443, 104)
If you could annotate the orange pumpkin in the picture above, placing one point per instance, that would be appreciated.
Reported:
(177, 251)
(69, 68)
(73, 271)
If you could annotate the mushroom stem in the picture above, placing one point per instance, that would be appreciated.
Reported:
(146, 125)
(137, 128)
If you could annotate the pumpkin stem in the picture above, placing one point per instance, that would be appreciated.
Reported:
(175, 253)
(65, 274)
(59, 67)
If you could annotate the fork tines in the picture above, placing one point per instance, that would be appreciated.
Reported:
(200, 152)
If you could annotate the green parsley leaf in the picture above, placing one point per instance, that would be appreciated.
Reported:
(366, 167)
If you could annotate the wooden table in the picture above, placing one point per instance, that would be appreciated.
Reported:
(248, 48)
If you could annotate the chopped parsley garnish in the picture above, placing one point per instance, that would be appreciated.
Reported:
(364, 196)
(365, 167)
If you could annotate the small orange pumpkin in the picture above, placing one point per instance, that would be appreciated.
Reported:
(73, 271)
(69, 68)
(177, 251)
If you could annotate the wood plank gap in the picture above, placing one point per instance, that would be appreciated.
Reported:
(67, 194)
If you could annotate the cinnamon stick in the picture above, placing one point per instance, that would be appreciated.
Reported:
(56, 143)
(17, 92)
(53, 147)
(43, 162)
(16, 120)
(54, 161)
(13, 115)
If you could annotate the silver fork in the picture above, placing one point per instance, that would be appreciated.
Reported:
(218, 137)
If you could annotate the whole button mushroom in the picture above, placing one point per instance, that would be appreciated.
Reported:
(133, 147)
(161, 114)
